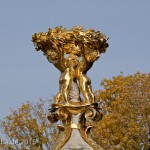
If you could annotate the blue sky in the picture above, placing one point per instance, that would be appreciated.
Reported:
(27, 75)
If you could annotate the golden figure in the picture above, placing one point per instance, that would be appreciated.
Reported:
(66, 78)
(89, 56)
(67, 68)
(77, 43)
(84, 82)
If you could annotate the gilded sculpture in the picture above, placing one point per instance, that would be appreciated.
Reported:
(73, 52)
(83, 48)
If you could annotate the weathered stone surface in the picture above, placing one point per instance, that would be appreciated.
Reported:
(76, 142)
(74, 95)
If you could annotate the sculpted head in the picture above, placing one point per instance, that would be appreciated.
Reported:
(72, 60)
(92, 55)
(52, 55)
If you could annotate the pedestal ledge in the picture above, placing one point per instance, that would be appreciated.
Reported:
(74, 132)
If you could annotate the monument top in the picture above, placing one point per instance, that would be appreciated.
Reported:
(73, 53)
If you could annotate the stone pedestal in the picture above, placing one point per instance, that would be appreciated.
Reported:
(76, 142)
(74, 132)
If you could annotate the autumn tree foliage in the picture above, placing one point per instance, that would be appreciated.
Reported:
(28, 128)
(126, 108)
(125, 125)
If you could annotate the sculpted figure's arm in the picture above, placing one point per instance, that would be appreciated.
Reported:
(61, 64)
(59, 61)
(86, 62)
(56, 57)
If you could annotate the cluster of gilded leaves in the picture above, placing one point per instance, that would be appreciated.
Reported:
(58, 37)
(28, 128)
(126, 108)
